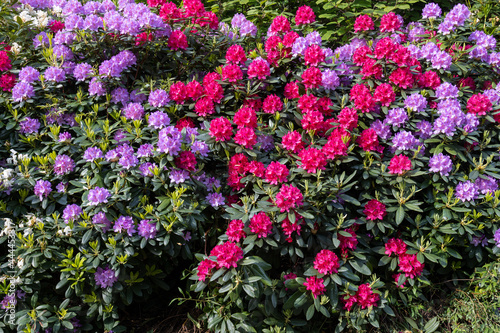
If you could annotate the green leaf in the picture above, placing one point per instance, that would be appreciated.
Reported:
(310, 312)
(431, 325)
(363, 269)
(400, 215)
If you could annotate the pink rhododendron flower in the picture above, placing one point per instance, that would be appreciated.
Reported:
(374, 210)
(326, 262)
(315, 285)
(289, 197)
(261, 224)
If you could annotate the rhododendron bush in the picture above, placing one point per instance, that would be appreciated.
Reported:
(301, 186)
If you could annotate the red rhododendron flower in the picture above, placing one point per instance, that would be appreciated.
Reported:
(205, 269)
(361, 55)
(399, 164)
(280, 25)
(315, 285)
(204, 106)
(374, 210)
(177, 40)
(257, 168)
(235, 231)
(365, 297)
(395, 245)
(227, 254)
(261, 224)
(143, 37)
(389, 23)
(362, 97)
(292, 141)
(169, 12)
(232, 73)
(245, 117)
(253, 103)
(246, 137)
(312, 160)
(384, 94)
(429, 79)
(363, 23)
(304, 15)
(402, 77)
(56, 26)
(307, 103)
(178, 92)
(259, 68)
(5, 63)
(467, 82)
(368, 140)
(184, 122)
(312, 121)
(221, 129)
(238, 163)
(290, 38)
(289, 197)
(324, 105)
(272, 104)
(276, 172)
(326, 262)
(194, 90)
(8, 81)
(314, 55)
(346, 243)
(348, 118)
(193, 8)
(349, 301)
(384, 48)
(335, 146)
(186, 160)
(401, 56)
(479, 104)
(312, 78)
(272, 43)
(214, 90)
(410, 265)
(370, 69)
(155, 3)
(289, 227)
(208, 18)
(291, 90)
(236, 54)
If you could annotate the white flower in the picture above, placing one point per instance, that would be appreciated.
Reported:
(15, 48)
(20, 264)
(27, 231)
(25, 16)
(67, 231)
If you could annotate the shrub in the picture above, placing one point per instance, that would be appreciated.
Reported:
(315, 186)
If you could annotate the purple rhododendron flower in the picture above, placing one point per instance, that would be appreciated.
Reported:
(431, 10)
(105, 278)
(125, 223)
(396, 117)
(158, 98)
(170, 140)
(440, 163)
(98, 195)
(158, 120)
(100, 218)
(92, 153)
(147, 229)
(179, 176)
(22, 91)
(466, 191)
(63, 165)
(71, 213)
(42, 189)
(29, 125)
(29, 75)
(215, 199)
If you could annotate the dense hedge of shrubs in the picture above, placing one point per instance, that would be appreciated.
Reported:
(299, 185)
